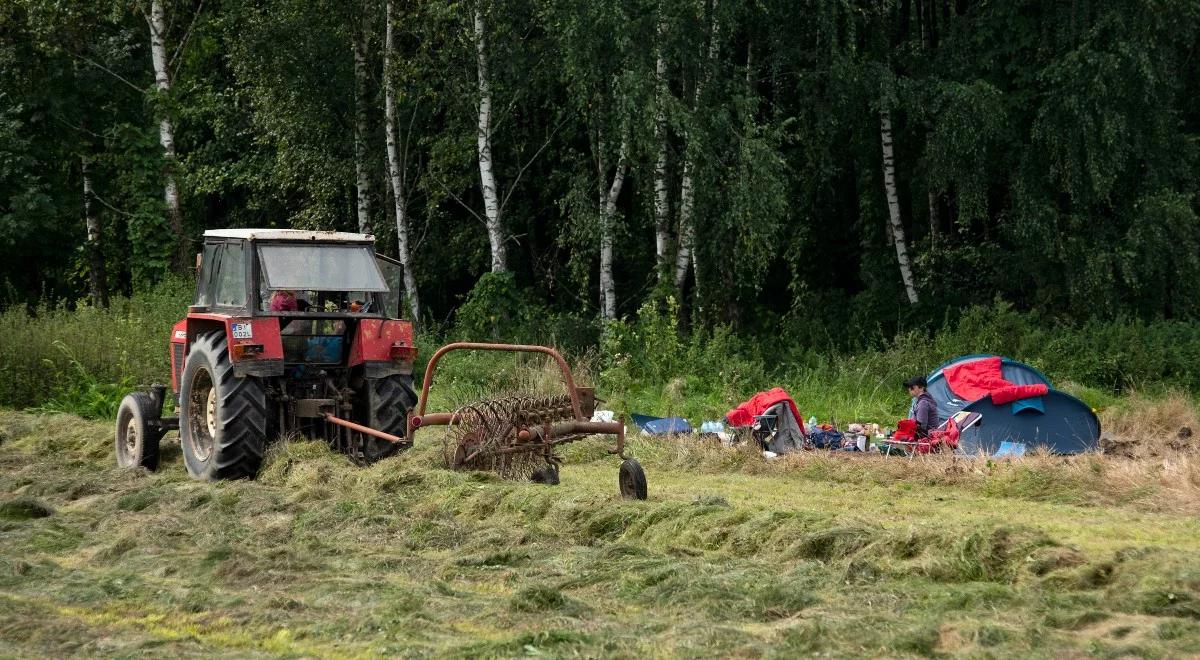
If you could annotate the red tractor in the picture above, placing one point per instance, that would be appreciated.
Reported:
(291, 332)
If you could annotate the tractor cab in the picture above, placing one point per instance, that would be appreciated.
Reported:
(315, 284)
(293, 297)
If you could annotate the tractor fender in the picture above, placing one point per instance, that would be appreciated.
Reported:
(385, 346)
(254, 344)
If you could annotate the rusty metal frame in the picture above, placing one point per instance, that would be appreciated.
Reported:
(419, 419)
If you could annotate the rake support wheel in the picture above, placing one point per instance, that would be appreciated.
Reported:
(632, 480)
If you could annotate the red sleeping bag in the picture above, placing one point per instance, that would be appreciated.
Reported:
(744, 414)
(976, 379)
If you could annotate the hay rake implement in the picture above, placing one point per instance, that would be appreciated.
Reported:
(516, 436)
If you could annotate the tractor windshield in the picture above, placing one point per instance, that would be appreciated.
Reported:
(320, 268)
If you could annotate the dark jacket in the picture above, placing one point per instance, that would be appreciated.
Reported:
(926, 413)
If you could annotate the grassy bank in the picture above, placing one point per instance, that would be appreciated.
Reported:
(730, 555)
(82, 360)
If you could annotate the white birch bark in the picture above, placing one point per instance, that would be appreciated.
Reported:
(96, 275)
(487, 177)
(362, 170)
(687, 196)
(893, 202)
(608, 214)
(396, 168)
(662, 234)
(687, 230)
(166, 129)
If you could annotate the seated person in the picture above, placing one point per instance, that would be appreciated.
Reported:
(924, 408)
(283, 301)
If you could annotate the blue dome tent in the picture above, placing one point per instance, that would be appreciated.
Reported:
(1057, 420)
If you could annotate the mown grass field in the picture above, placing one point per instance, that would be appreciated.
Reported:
(729, 556)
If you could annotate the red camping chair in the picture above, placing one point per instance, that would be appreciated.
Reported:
(943, 438)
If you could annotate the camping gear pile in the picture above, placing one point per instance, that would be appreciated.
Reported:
(988, 405)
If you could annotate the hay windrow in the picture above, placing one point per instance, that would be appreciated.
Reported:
(731, 555)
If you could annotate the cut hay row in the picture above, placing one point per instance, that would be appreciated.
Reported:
(730, 555)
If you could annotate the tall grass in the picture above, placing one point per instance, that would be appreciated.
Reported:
(58, 352)
(80, 358)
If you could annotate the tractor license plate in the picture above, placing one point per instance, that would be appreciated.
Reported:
(242, 331)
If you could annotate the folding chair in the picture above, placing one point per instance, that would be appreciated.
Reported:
(943, 437)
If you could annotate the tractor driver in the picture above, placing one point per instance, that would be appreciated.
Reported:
(283, 300)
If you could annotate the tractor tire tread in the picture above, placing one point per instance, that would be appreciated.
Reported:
(389, 399)
(241, 413)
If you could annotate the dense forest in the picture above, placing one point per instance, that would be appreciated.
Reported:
(876, 163)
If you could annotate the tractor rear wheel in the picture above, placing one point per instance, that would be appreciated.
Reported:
(137, 441)
(222, 418)
(386, 402)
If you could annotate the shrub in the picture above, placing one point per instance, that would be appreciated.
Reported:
(73, 353)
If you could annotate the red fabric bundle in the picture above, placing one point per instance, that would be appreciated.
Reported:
(948, 436)
(906, 430)
(744, 414)
(976, 379)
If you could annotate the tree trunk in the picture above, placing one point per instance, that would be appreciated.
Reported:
(487, 177)
(608, 214)
(893, 202)
(935, 216)
(683, 256)
(362, 170)
(396, 169)
(687, 230)
(662, 234)
(97, 278)
(166, 129)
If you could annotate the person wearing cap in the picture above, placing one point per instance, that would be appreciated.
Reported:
(924, 408)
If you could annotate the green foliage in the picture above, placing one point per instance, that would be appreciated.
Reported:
(497, 308)
(79, 392)
(84, 359)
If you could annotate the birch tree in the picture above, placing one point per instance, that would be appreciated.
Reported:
(662, 221)
(97, 278)
(397, 168)
(893, 203)
(166, 128)
(487, 175)
(362, 170)
(608, 215)
(687, 193)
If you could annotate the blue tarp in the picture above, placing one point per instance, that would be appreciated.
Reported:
(661, 425)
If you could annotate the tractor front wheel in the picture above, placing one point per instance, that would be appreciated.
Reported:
(137, 441)
(222, 418)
